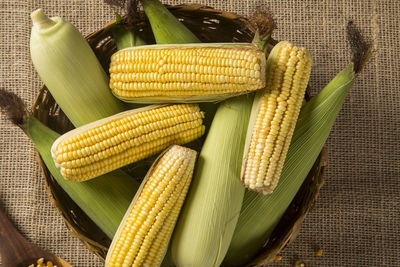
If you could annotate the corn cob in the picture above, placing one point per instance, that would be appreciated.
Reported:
(274, 116)
(144, 233)
(189, 73)
(261, 213)
(124, 138)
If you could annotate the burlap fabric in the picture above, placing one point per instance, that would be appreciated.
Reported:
(356, 219)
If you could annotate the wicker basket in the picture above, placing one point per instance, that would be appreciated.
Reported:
(209, 25)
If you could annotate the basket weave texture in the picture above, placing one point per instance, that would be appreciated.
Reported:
(209, 25)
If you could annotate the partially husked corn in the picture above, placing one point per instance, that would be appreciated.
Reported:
(116, 141)
(192, 72)
(144, 233)
(274, 117)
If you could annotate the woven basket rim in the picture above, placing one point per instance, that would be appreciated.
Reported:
(276, 243)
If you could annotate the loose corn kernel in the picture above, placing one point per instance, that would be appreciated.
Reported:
(128, 137)
(299, 263)
(319, 252)
(143, 236)
(41, 263)
(183, 72)
(288, 71)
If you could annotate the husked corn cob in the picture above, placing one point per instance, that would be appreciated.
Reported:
(191, 72)
(127, 137)
(144, 233)
(274, 116)
(314, 124)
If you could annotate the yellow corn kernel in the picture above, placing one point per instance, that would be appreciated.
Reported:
(116, 141)
(144, 233)
(274, 118)
(187, 72)
(319, 252)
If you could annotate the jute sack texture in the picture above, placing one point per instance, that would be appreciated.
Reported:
(356, 218)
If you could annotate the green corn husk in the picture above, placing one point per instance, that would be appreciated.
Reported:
(123, 36)
(75, 78)
(211, 210)
(70, 70)
(104, 199)
(261, 213)
(170, 31)
(166, 28)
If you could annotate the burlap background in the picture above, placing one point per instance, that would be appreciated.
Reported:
(356, 220)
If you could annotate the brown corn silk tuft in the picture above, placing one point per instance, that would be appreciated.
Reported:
(13, 106)
(361, 48)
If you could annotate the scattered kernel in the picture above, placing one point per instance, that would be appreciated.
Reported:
(319, 253)
(41, 263)
(278, 258)
(299, 263)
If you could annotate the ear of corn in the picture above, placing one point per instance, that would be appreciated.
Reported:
(75, 78)
(144, 233)
(166, 27)
(104, 199)
(274, 116)
(186, 73)
(124, 138)
(261, 213)
(70, 70)
(209, 217)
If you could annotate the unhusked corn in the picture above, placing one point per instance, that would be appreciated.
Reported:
(187, 72)
(144, 233)
(127, 137)
(276, 111)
